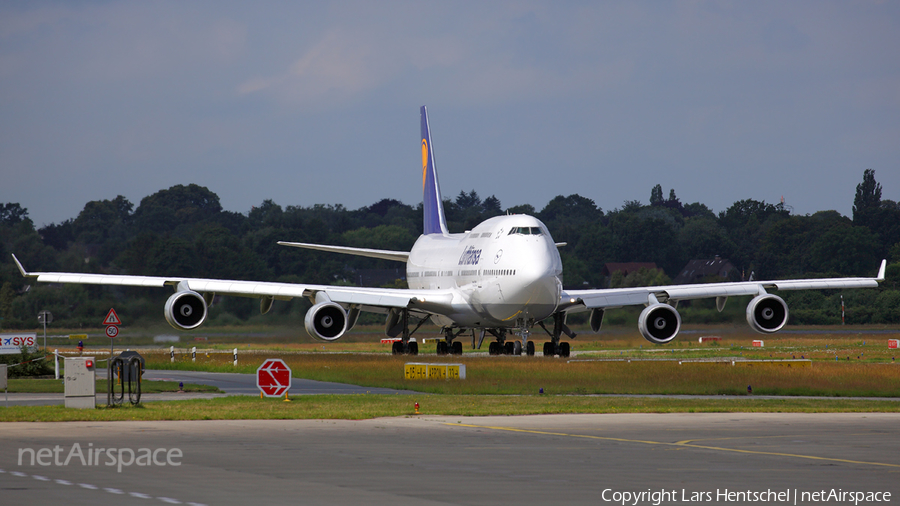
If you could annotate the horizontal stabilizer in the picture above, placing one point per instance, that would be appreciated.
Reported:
(399, 256)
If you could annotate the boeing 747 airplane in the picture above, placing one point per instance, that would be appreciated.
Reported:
(502, 278)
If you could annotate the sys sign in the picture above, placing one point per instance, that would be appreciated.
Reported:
(12, 343)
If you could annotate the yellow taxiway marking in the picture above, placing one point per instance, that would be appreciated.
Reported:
(687, 441)
(681, 444)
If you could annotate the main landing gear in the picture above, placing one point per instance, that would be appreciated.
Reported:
(554, 347)
(404, 346)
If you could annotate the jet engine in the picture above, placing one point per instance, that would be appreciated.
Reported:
(326, 321)
(659, 323)
(767, 313)
(185, 310)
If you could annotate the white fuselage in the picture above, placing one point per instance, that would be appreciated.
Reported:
(504, 271)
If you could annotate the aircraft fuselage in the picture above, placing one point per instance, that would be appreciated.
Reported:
(504, 270)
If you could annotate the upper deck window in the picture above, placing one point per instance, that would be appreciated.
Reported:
(526, 231)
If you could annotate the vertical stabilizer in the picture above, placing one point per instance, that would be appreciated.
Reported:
(434, 221)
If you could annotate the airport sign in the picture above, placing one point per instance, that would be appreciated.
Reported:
(273, 378)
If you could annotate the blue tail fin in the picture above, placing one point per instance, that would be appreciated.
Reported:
(434, 220)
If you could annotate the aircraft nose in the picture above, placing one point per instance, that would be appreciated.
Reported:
(538, 282)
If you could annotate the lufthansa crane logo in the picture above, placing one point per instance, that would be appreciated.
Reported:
(424, 161)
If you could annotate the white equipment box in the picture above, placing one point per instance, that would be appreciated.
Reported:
(81, 384)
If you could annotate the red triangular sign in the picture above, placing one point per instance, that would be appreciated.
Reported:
(112, 318)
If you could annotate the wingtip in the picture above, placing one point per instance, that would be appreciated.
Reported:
(880, 276)
(19, 265)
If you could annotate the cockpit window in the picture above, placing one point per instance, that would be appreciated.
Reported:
(526, 231)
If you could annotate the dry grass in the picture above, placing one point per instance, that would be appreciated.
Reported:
(527, 375)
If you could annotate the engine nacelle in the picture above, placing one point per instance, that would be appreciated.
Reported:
(767, 313)
(659, 323)
(326, 321)
(185, 310)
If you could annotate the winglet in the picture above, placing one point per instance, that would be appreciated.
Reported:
(880, 276)
(433, 208)
(19, 265)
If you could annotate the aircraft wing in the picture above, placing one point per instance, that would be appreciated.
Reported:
(619, 297)
(429, 301)
(399, 256)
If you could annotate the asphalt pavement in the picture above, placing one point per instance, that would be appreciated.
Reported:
(697, 459)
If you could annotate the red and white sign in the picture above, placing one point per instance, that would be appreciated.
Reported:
(273, 378)
(893, 343)
(758, 343)
(112, 331)
(710, 338)
(112, 318)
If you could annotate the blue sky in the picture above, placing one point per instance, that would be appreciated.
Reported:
(318, 102)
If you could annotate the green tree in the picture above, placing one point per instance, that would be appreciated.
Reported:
(656, 196)
(7, 294)
(491, 207)
(847, 250)
(568, 217)
(522, 209)
(176, 208)
(468, 200)
(267, 214)
(867, 200)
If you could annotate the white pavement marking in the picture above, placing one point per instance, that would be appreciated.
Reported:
(89, 486)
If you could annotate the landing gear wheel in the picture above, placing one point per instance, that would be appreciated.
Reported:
(563, 349)
(397, 348)
(529, 349)
(494, 348)
(413, 348)
(517, 348)
(508, 348)
(457, 348)
(442, 347)
(548, 349)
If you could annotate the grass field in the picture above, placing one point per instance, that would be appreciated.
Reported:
(845, 362)
(357, 407)
(51, 386)
(527, 375)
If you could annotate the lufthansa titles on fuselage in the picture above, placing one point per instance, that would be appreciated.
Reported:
(470, 256)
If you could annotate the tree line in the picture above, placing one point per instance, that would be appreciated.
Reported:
(183, 231)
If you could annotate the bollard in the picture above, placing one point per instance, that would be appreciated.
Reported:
(56, 364)
(235, 357)
(194, 354)
(172, 354)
